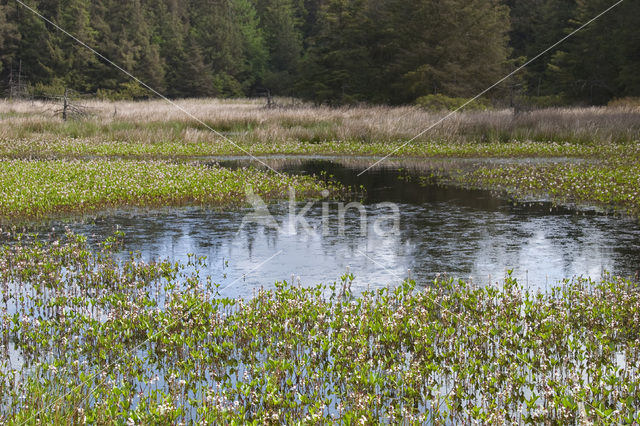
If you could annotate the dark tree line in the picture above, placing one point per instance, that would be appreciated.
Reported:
(330, 51)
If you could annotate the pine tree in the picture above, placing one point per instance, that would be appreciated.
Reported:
(337, 67)
(453, 47)
(35, 46)
(73, 62)
(601, 61)
(9, 36)
(282, 29)
(193, 78)
(535, 26)
(182, 59)
(231, 43)
(254, 54)
(126, 38)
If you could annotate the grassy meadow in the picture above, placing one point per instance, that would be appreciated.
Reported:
(158, 129)
(89, 338)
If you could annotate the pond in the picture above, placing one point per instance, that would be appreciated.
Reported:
(428, 229)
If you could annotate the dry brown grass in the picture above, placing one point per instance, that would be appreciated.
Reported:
(248, 121)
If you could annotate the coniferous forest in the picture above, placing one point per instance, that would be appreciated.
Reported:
(326, 51)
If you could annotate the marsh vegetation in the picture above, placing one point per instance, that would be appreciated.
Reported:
(42, 188)
(90, 336)
(158, 129)
(607, 137)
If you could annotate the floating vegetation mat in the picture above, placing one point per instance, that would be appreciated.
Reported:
(37, 189)
(612, 184)
(89, 336)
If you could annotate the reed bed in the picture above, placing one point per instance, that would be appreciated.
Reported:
(38, 189)
(87, 337)
(158, 128)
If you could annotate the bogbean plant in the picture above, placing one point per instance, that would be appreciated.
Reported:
(35, 189)
(90, 338)
(610, 184)
(176, 148)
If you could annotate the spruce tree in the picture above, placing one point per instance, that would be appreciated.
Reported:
(593, 66)
(282, 29)
(9, 36)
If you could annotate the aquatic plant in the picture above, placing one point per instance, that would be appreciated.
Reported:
(34, 189)
(90, 337)
(613, 185)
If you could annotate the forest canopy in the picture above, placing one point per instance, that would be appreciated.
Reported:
(326, 51)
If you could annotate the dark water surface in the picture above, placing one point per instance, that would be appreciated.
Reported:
(445, 230)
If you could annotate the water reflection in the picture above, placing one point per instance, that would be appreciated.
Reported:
(443, 230)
